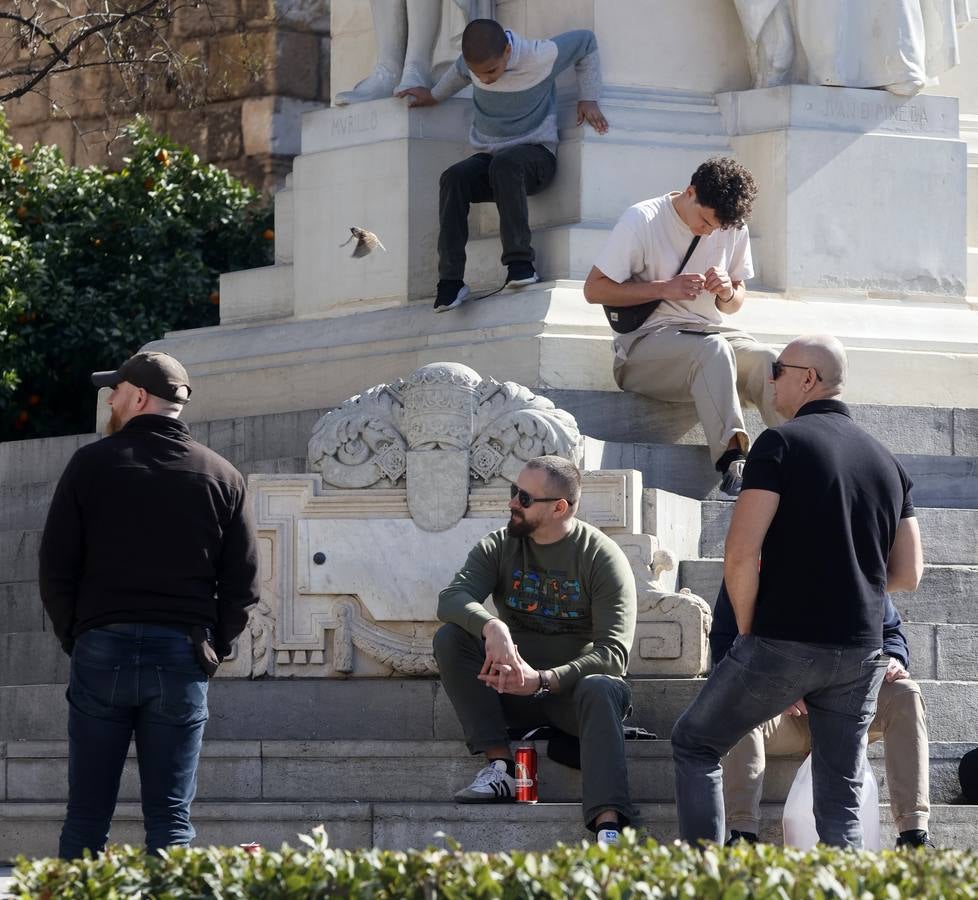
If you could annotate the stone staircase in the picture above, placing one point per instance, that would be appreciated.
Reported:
(375, 759)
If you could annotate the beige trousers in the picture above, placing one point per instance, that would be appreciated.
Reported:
(901, 723)
(714, 370)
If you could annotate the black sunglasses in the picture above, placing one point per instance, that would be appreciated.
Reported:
(526, 501)
(778, 367)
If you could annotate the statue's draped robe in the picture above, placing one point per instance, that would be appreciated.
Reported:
(899, 44)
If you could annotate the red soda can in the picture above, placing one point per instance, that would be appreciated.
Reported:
(526, 774)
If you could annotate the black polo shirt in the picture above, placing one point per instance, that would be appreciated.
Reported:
(823, 563)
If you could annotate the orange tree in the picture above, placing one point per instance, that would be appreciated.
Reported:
(94, 263)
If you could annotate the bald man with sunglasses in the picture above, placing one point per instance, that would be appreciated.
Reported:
(823, 528)
(556, 651)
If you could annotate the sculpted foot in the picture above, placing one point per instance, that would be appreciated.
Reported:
(414, 76)
(378, 85)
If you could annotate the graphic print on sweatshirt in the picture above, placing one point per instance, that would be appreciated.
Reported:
(547, 594)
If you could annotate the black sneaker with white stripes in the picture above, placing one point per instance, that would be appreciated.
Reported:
(451, 294)
(520, 274)
(492, 785)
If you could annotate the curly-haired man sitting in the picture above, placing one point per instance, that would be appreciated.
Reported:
(685, 350)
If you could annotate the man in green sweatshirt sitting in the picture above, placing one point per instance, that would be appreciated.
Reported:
(557, 651)
(514, 131)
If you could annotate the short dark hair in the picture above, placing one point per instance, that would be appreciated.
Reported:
(562, 475)
(482, 40)
(725, 186)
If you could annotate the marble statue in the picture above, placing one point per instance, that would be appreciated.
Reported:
(899, 45)
(406, 33)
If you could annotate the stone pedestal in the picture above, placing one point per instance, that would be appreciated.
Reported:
(859, 228)
(409, 476)
(849, 177)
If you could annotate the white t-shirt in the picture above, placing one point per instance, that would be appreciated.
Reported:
(648, 244)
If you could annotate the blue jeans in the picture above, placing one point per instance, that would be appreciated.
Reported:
(133, 679)
(756, 680)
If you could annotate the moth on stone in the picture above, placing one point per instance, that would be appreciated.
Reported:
(366, 241)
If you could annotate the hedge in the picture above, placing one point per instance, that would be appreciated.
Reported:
(94, 263)
(630, 870)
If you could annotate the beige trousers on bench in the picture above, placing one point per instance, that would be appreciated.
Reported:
(715, 370)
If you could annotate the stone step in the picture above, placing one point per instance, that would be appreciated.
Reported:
(950, 536)
(32, 657)
(32, 828)
(947, 594)
(605, 415)
(20, 608)
(18, 555)
(403, 709)
(26, 506)
(938, 651)
(621, 416)
(664, 435)
(242, 440)
(402, 771)
(939, 481)
(38, 460)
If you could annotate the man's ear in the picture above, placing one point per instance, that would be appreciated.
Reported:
(142, 398)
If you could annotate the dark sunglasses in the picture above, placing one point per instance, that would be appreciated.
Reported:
(778, 367)
(526, 501)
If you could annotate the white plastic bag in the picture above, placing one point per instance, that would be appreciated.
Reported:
(799, 819)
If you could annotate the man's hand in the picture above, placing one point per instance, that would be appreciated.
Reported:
(683, 287)
(895, 670)
(506, 680)
(589, 111)
(796, 709)
(421, 96)
(718, 282)
(503, 663)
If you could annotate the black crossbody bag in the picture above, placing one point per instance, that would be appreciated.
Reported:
(625, 319)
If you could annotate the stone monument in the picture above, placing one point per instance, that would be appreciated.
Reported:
(407, 477)
(859, 229)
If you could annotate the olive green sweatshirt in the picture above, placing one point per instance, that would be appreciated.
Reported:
(570, 605)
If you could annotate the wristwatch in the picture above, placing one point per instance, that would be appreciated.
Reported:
(544, 688)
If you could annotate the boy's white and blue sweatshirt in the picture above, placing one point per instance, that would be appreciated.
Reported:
(521, 106)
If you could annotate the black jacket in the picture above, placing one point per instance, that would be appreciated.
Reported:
(723, 631)
(147, 525)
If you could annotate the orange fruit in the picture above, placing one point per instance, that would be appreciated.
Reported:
(163, 157)
(214, 297)
(16, 162)
(268, 234)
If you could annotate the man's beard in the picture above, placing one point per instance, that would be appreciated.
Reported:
(115, 422)
(519, 527)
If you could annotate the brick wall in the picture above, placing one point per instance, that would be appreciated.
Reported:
(262, 64)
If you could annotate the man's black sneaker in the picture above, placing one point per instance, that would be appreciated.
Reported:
(736, 837)
(521, 274)
(450, 294)
(916, 837)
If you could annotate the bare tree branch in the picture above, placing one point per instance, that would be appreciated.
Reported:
(44, 38)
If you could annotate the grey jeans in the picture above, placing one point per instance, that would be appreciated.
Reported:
(593, 710)
(755, 681)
